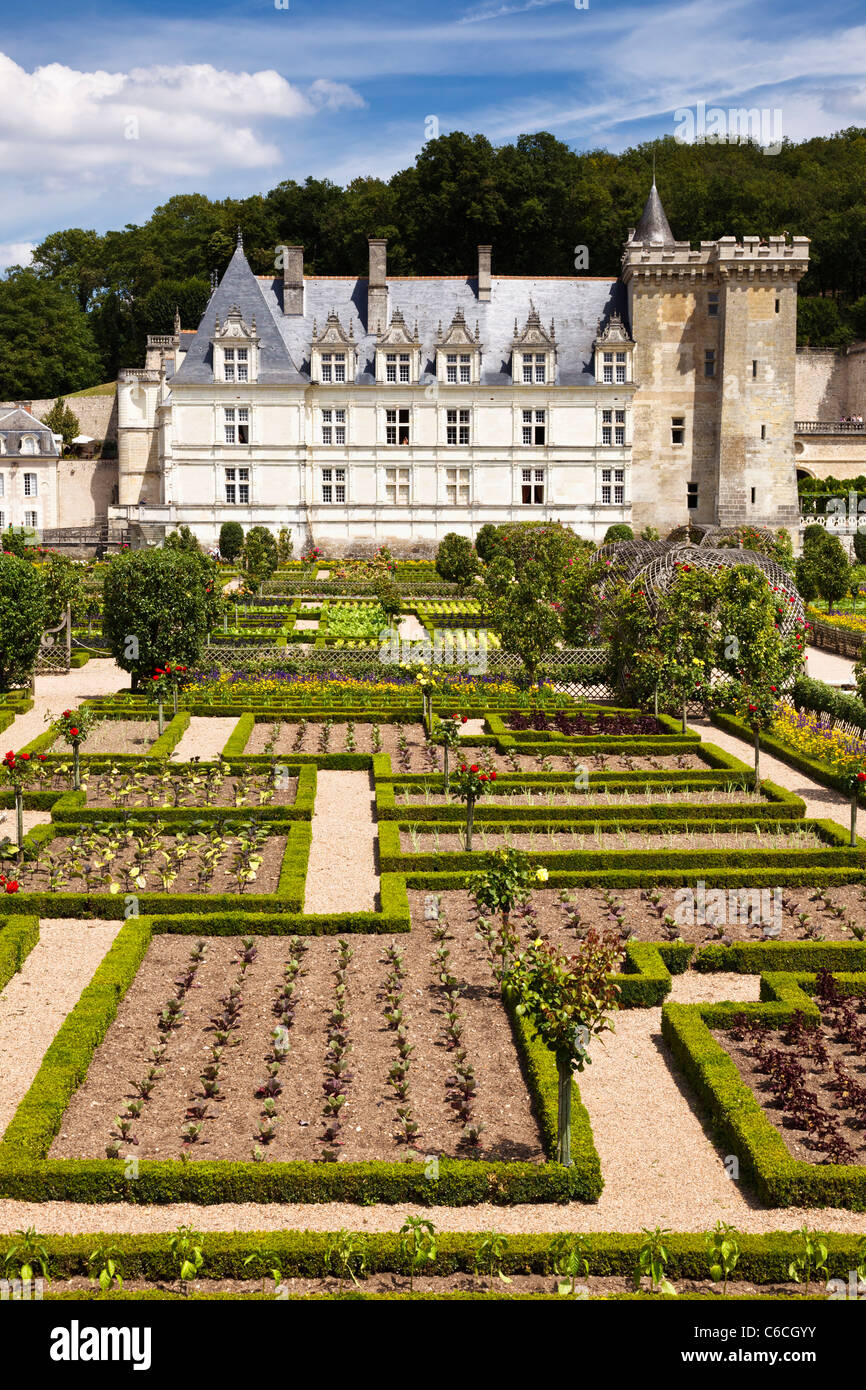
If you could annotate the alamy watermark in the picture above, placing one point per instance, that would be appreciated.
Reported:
(443, 650)
(724, 907)
(703, 124)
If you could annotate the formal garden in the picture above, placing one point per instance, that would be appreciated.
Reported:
(513, 902)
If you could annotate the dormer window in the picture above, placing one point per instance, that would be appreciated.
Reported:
(332, 355)
(533, 352)
(28, 444)
(397, 365)
(235, 349)
(458, 353)
(534, 368)
(613, 353)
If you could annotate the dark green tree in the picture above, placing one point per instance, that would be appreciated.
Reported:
(457, 561)
(61, 420)
(47, 346)
(22, 619)
(260, 557)
(231, 541)
(156, 610)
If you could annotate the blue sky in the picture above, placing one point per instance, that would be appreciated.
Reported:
(107, 109)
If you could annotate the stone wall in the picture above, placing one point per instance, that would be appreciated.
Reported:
(97, 415)
(831, 384)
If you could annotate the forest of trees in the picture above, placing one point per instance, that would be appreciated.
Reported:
(96, 297)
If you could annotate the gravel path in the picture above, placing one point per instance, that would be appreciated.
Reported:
(57, 693)
(36, 1001)
(205, 738)
(820, 801)
(827, 666)
(342, 875)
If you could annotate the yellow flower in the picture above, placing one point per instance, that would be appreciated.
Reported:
(542, 875)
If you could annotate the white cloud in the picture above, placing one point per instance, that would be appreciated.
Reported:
(15, 253)
(60, 126)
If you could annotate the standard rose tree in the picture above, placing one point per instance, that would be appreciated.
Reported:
(450, 727)
(16, 771)
(568, 1000)
(73, 726)
(472, 783)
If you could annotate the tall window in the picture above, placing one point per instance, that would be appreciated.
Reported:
(334, 366)
(30, 484)
(534, 368)
(2, 485)
(397, 426)
(237, 424)
(619, 486)
(333, 485)
(613, 427)
(333, 426)
(606, 495)
(229, 364)
(709, 362)
(613, 491)
(457, 427)
(237, 486)
(458, 367)
(397, 486)
(607, 368)
(31, 519)
(532, 486)
(397, 366)
(620, 367)
(691, 496)
(534, 426)
(457, 486)
(713, 304)
(678, 429)
(243, 364)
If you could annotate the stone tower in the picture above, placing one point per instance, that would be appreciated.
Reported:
(713, 421)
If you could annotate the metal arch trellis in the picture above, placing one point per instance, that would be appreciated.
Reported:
(55, 648)
(656, 576)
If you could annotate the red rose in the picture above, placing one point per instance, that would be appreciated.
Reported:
(493, 776)
(482, 777)
(73, 733)
(473, 767)
(25, 757)
(462, 767)
(861, 776)
(465, 718)
(66, 713)
(41, 757)
(752, 708)
(12, 886)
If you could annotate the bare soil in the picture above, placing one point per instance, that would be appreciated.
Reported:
(565, 916)
(567, 841)
(182, 786)
(369, 1117)
(117, 736)
(526, 797)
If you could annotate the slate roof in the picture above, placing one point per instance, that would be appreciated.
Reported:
(576, 305)
(14, 424)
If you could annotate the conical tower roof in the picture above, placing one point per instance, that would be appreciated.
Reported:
(653, 225)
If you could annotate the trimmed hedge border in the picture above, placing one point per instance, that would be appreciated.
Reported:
(738, 1117)
(818, 771)
(18, 936)
(764, 1259)
(26, 1174)
(756, 957)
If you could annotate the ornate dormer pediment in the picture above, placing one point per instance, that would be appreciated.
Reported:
(333, 352)
(613, 331)
(534, 334)
(398, 352)
(234, 327)
(397, 333)
(533, 351)
(458, 353)
(614, 349)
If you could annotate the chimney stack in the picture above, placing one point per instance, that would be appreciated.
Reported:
(377, 286)
(484, 254)
(293, 279)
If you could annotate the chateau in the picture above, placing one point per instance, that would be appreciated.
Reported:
(396, 409)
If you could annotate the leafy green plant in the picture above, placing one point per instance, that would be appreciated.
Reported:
(27, 1254)
(103, 1267)
(347, 1257)
(652, 1261)
(186, 1247)
(812, 1259)
(570, 1259)
(489, 1253)
(418, 1245)
(723, 1249)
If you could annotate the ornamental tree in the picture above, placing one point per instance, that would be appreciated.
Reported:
(231, 541)
(260, 556)
(581, 600)
(158, 608)
(73, 726)
(853, 779)
(23, 611)
(16, 770)
(457, 561)
(527, 622)
(64, 584)
(450, 728)
(569, 1001)
(822, 570)
(471, 784)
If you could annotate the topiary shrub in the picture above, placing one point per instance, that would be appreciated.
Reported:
(457, 560)
(22, 619)
(486, 540)
(260, 557)
(618, 532)
(860, 547)
(231, 541)
(157, 609)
